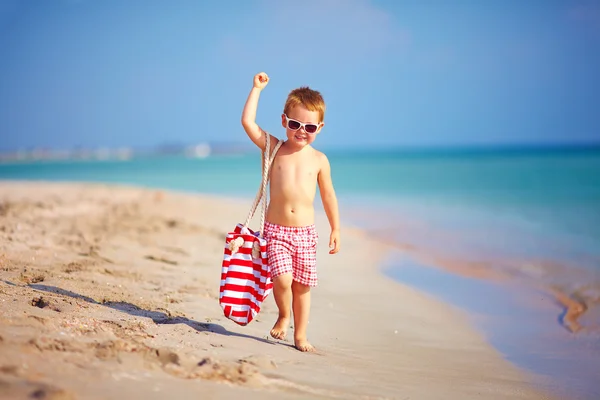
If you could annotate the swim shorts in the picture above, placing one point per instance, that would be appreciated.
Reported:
(293, 249)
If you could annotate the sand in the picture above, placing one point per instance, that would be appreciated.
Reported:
(110, 292)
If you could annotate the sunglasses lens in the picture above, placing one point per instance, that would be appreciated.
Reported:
(310, 128)
(293, 125)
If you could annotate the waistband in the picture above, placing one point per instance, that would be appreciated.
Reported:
(296, 230)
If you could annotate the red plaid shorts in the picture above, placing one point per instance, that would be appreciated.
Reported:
(293, 249)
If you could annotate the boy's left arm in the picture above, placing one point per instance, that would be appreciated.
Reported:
(330, 203)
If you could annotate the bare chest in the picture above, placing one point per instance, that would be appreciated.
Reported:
(286, 170)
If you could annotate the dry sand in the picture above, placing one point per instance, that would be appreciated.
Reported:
(112, 293)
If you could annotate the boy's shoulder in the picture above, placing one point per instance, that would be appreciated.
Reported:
(321, 159)
(320, 155)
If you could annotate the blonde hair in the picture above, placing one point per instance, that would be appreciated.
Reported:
(310, 99)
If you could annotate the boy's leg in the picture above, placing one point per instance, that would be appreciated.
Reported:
(304, 264)
(282, 292)
(280, 261)
(301, 308)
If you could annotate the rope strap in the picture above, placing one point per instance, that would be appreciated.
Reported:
(262, 190)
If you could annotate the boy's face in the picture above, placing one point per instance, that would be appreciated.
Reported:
(301, 126)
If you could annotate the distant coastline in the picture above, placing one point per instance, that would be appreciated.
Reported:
(206, 149)
(123, 153)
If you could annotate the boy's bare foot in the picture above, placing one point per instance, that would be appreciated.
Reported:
(304, 346)
(280, 328)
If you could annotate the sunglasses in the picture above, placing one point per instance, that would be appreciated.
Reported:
(294, 125)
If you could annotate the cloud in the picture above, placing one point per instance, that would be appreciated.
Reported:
(312, 31)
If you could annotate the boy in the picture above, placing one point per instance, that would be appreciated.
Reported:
(289, 226)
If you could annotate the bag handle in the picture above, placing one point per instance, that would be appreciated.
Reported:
(262, 190)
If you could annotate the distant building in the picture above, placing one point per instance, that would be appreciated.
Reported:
(198, 151)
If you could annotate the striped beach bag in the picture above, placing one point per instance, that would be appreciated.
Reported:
(245, 274)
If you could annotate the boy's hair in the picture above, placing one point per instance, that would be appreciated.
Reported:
(305, 96)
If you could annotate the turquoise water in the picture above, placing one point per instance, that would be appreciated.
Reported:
(547, 199)
(535, 203)
(532, 215)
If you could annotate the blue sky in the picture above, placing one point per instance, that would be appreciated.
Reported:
(393, 73)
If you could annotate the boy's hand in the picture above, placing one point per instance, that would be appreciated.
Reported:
(261, 80)
(334, 242)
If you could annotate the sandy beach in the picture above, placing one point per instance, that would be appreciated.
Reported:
(110, 292)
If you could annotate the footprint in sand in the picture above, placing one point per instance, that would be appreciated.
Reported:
(39, 302)
(259, 361)
(23, 389)
(167, 357)
(238, 372)
(161, 259)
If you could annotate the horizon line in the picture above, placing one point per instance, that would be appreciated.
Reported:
(240, 145)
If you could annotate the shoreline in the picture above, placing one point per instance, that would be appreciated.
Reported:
(574, 298)
(118, 285)
(516, 321)
(571, 309)
(564, 318)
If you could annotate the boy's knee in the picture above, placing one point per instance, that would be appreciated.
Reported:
(283, 280)
(299, 288)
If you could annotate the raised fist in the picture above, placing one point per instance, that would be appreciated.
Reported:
(261, 80)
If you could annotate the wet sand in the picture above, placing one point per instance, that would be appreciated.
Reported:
(519, 323)
(111, 292)
(574, 285)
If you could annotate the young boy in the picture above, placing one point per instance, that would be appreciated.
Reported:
(289, 226)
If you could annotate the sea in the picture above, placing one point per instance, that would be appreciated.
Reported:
(500, 233)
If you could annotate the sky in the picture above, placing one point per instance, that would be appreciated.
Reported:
(419, 73)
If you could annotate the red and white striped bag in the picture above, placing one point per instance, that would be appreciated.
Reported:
(245, 273)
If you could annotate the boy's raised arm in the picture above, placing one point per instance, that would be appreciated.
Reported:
(255, 133)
